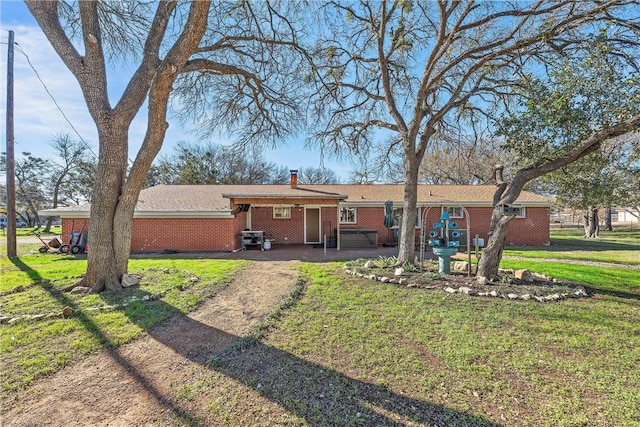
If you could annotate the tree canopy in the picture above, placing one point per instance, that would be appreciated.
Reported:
(191, 163)
(387, 77)
(587, 105)
(584, 92)
(176, 48)
(401, 76)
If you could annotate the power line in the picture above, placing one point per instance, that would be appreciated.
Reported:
(19, 49)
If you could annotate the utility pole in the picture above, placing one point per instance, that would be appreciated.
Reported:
(11, 164)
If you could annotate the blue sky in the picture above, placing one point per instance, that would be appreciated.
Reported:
(37, 120)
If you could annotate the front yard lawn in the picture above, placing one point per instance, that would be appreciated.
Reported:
(352, 351)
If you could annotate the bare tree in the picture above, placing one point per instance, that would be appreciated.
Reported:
(167, 44)
(216, 164)
(65, 170)
(311, 175)
(404, 73)
(31, 193)
(463, 161)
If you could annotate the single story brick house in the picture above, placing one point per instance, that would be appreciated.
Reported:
(231, 217)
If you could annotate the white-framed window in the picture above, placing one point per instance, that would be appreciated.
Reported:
(522, 211)
(455, 212)
(281, 212)
(397, 214)
(348, 215)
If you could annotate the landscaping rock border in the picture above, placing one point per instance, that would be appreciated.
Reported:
(519, 285)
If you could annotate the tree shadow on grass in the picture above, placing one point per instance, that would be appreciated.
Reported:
(312, 392)
(592, 290)
(30, 272)
(64, 300)
(575, 244)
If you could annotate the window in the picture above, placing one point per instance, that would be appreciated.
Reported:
(397, 214)
(279, 212)
(516, 211)
(455, 212)
(348, 215)
(522, 211)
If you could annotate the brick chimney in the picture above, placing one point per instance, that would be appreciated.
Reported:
(294, 178)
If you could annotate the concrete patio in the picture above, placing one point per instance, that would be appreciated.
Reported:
(299, 252)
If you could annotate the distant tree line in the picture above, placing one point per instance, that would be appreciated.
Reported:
(218, 164)
(65, 180)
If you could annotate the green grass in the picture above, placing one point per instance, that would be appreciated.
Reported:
(348, 351)
(357, 352)
(604, 278)
(31, 232)
(35, 347)
(564, 364)
(622, 247)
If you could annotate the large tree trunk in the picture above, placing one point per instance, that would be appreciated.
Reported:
(114, 197)
(106, 261)
(114, 226)
(407, 249)
(608, 223)
(591, 223)
(507, 193)
(492, 253)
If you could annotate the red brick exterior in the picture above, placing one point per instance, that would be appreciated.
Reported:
(183, 234)
(188, 234)
(70, 225)
(284, 231)
(223, 234)
(532, 230)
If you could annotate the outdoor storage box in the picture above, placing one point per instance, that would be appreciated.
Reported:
(358, 238)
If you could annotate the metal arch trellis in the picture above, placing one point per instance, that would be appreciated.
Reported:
(423, 234)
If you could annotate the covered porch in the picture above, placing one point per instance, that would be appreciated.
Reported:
(292, 216)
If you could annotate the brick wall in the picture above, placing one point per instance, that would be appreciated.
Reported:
(369, 218)
(188, 234)
(529, 231)
(222, 234)
(285, 231)
(183, 234)
(70, 225)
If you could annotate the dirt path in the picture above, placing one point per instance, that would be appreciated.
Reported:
(135, 384)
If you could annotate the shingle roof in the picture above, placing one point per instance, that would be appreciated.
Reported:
(279, 191)
(182, 198)
(427, 194)
(215, 199)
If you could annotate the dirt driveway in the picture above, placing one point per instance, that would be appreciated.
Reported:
(136, 384)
